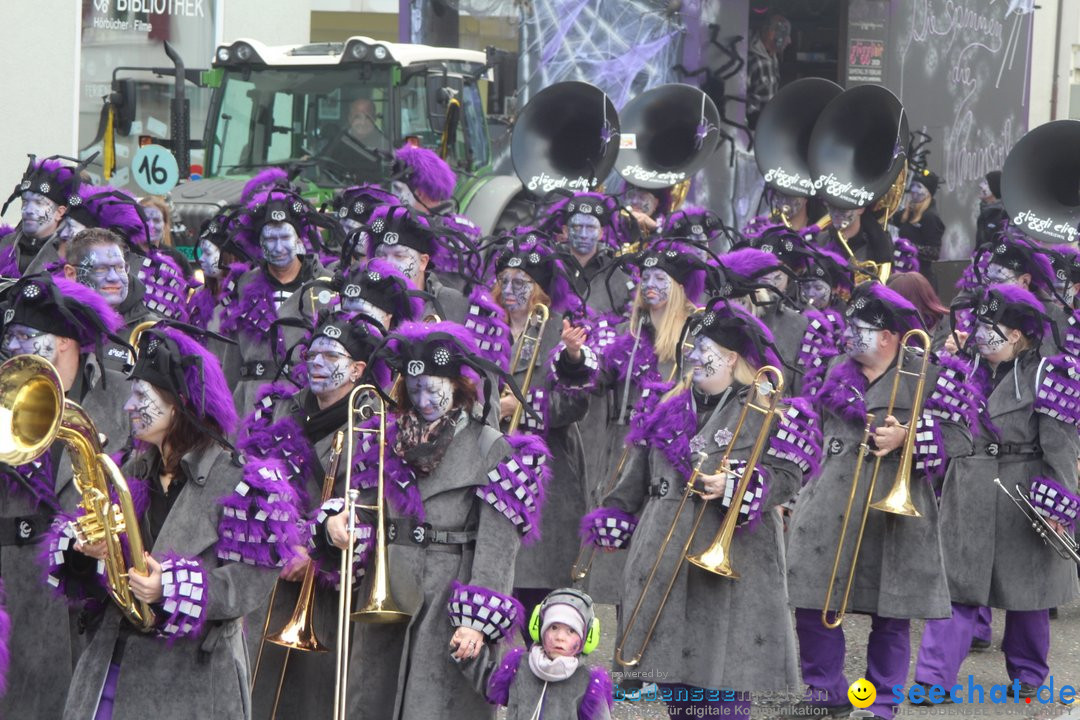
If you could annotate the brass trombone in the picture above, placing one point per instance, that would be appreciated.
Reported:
(299, 632)
(898, 500)
(380, 606)
(538, 319)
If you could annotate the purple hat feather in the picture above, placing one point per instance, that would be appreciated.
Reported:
(91, 301)
(262, 181)
(117, 210)
(750, 263)
(207, 381)
(425, 171)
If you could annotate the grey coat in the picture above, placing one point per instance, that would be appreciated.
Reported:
(452, 302)
(45, 637)
(714, 632)
(561, 699)
(788, 327)
(27, 249)
(404, 671)
(900, 571)
(205, 676)
(992, 554)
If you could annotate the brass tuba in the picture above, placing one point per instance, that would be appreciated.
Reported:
(1040, 179)
(33, 414)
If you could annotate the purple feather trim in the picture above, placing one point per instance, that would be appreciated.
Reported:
(208, 394)
(58, 546)
(230, 283)
(261, 521)
(752, 503)
(35, 480)
(266, 397)
(599, 693)
(327, 565)
(166, 287)
(517, 486)
(905, 256)
(263, 181)
(929, 453)
(9, 262)
(820, 343)
(646, 365)
(93, 303)
(538, 400)
(1058, 391)
(608, 527)
(498, 689)
(184, 597)
(5, 638)
(431, 174)
(254, 312)
(756, 226)
(954, 398)
(398, 476)
(602, 329)
(668, 429)
(798, 438)
(750, 263)
(486, 320)
(5, 230)
(201, 307)
(496, 615)
(842, 393)
(1071, 341)
(1054, 501)
(284, 442)
(591, 378)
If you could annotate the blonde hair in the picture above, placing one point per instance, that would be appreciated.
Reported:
(156, 201)
(913, 213)
(743, 373)
(667, 334)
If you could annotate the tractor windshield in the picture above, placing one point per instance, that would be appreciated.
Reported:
(331, 119)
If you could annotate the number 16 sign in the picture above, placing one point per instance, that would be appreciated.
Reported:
(155, 169)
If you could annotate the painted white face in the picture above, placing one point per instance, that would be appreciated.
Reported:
(69, 228)
(991, 344)
(210, 259)
(360, 305)
(643, 201)
(517, 288)
(919, 192)
(149, 412)
(105, 270)
(861, 341)
(842, 219)
(815, 293)
(40, 215)
(22, 340)
(405, 194)
(655, 288)
(713, 366)
(431, 395)
(405, 259)
(351, 225)
(280, 244)
(583, 233)
(155, 221)
(1001, 275)
(777, 279)
(789, 205)
(329, 366)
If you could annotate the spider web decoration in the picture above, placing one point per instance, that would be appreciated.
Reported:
(621, 46)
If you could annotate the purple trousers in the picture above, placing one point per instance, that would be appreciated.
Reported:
(108, 694)
(983, 631)
(945, 644)
(821, 657)
(738, 707)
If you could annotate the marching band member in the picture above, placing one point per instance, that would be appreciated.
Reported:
(68, 325)
(353, 207)
(900, 573)
(461, 498)
(862, 233)
(159, 239)
(46, 187)
(297, 429)
(207, 521)
(555, 684)
(425, 183)
(217, 260)
(1026, 436)
(699, 226)
(378, 289)
(714, 632)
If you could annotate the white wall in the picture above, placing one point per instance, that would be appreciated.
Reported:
(40, 86)
(1048, 37)
(273, 23)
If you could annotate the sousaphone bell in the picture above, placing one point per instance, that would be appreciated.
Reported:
(1040, 183)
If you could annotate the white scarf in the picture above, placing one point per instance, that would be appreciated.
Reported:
(551, 669)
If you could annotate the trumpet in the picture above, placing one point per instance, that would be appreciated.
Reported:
(534, 333)
(299, 632)
(34, 414)
(380, 606)
(898, 500)
(1061, 543)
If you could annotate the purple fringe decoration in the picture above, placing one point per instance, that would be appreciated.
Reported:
(486, 320)
(59, 541)
(668, 429)
(201, 307)
(399, 478)
(284, 442)
(184, 597)
(599, 694)
(492, 613)
(1054, 501)
(261, 521)
(517, 485)
(591, 383)
(5, 639)
(230, 283)
(954, 398)
(253, 313)
(266, 397)
(752, 503)
(1071, 341)
(1058, 391)
(798, 438)
(498, 689)
(328, 571)
(608, 527)
(842, 393)
(905, 256)
(166, 287)
(602, 329)
(538, 400)
(646, 365)
(820, 344)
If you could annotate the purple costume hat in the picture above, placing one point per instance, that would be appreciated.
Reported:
(117, 210)
(1066, 261)
(734, 328)
(267, 179)
(540, 262)
(273, 206)
(741, 273)
(1011, 249)
(832, 268)
(679, 260)
(49, 177)
(381, 284)
(1007, 306)
(617, 227)
(692, 221)
(359, 201)
(422, 169)
(399, 225)
(216, 229)
(882, 308)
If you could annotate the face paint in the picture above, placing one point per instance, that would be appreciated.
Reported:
(40, 215)
(105, 270)
(360, 305)
(860, 341)
(148, 411)
(842, 219)
(69, 228)
(210, 259)
(405, 259)
(984, 191)
(328, 366)
(155, 221)
(517, 288)
(280, 244)
(990, 342)
(713, 366)
(23, 340)
(655, 288)
(350, 225)
(430, 395)
(643, 201)
(815, 293)
(584, 233)
(1001, 275)
(405, 194)
(789, 205)
(919, 193)
(777, 279)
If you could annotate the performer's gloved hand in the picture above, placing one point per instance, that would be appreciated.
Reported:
(889, 437)
(146, 587)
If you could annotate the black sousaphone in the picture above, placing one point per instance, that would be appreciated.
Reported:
(668, 134)
(566, 136)
(783, 134)
(1040, 183)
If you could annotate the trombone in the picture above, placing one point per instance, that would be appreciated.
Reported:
(538, 319)
(768, 381)
(898, 501)
(380, 606)
(299, 632)
(1063, 544)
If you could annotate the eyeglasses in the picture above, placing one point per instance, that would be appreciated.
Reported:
(328, 356)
